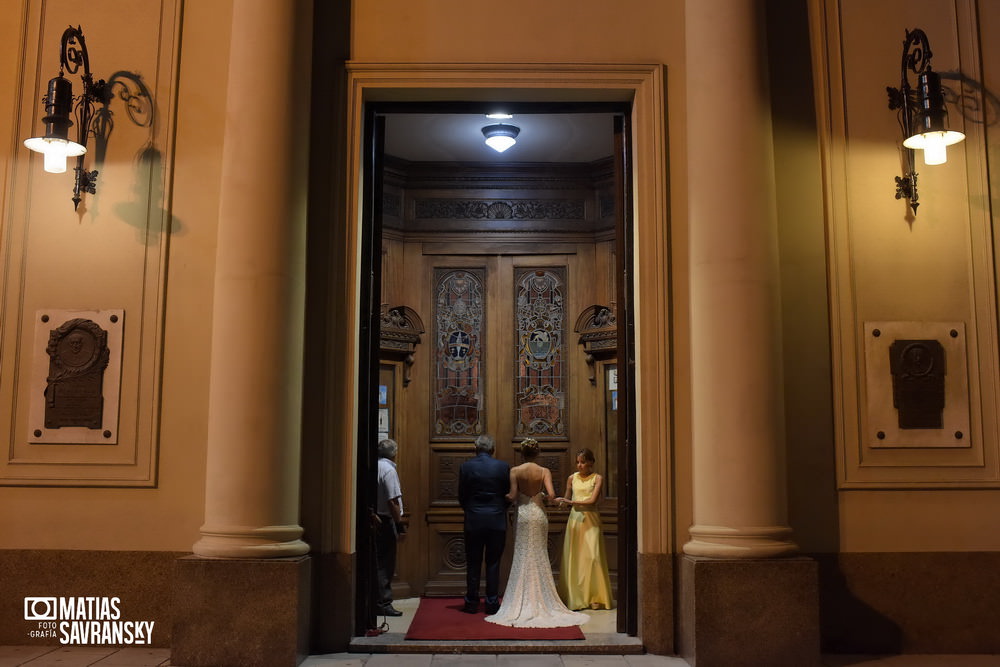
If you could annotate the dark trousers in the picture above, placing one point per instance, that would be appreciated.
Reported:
(385, 554)
(477, 544)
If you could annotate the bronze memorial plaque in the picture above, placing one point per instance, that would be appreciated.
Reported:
(76, 366)
(78, 356)
(918, 374)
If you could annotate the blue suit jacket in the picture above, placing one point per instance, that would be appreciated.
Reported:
(483, 482)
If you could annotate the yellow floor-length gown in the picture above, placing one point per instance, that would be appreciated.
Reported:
(583, 579)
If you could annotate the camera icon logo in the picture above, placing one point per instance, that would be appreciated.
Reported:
(40, 609)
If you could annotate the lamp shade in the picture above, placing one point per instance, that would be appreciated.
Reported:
(55, 144)
(55, 151)
(500, 137)
(930, 132)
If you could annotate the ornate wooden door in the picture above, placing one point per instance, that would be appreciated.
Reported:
(499, 356)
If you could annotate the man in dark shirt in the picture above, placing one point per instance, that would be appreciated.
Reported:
(483, 483)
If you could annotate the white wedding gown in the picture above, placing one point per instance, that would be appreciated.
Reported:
(531, 599)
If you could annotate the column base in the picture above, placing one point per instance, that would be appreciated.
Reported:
(749, 612)
(755, 542)
(243, 542)
(240, 613)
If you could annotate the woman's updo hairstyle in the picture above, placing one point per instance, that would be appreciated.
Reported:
(529, 448)
(587, 455)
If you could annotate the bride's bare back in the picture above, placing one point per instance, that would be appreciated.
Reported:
(530, 479)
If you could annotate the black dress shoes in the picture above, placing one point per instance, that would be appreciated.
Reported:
(389, 610)
(470, 608)
(492, 608)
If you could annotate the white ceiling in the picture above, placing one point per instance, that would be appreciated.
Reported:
(577, 137)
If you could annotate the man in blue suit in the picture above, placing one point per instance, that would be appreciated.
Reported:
(483, 484)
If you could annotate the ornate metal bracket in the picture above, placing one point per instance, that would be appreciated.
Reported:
(598, 329)
(916, 58)
(399, 335)
(73, 56)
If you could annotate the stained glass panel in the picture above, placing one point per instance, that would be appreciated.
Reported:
(540, 376)
(459, 320)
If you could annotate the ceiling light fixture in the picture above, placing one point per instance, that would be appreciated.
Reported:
(55, 144)
(922, 114)
(500, 137)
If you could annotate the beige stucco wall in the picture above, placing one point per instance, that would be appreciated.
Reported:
(167, 517)
(888, 266)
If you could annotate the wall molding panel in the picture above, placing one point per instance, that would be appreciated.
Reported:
(932, 275)
(107, 256)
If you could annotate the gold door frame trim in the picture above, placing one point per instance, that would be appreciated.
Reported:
(642, 85)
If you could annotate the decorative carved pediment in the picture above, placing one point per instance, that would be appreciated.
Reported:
(399, 335)
(598, 329)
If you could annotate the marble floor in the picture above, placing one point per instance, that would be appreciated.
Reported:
(378, 652)
(82, 656)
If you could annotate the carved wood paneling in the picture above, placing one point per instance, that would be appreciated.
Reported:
(399, 334)
(598, 329)
(499, 209)
(446, 476)
(511, 199)
(555, 462)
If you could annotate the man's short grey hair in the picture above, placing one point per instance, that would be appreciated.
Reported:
(387, 448)
(484, 443)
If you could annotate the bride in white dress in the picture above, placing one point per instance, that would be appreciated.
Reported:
(531, 599)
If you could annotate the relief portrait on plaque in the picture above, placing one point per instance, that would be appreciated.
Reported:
(918, 376)
(78, 356)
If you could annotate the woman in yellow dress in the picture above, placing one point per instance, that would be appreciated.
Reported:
(583, 578)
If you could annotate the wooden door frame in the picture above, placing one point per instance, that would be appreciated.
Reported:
(643, 88)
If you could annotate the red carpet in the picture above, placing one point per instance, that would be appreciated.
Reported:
(442, 619)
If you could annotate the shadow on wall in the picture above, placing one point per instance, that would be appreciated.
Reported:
(974, 101)
(130, 92)
(910, 602)
(978, 105)
(847, 623)
(146, 204)
(813, 511)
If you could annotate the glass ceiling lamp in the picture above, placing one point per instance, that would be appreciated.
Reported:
(55, 144)
(923, 116)
(500, 137)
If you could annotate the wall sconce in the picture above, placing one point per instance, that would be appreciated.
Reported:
(55, 144)
(500, 137)
(922, 114)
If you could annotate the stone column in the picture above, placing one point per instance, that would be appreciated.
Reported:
(243, 598)
(738, 419)
(729, 578)
(251, 504)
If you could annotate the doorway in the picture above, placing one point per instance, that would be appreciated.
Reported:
(496, 297)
